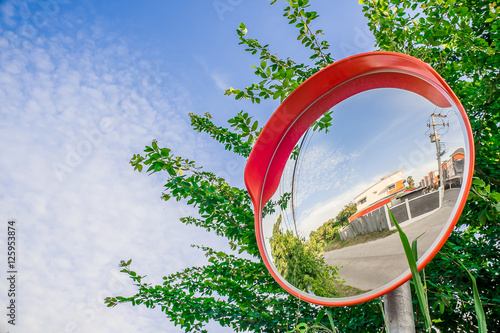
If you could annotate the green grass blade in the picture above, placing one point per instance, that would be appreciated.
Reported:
(414, 271)
(414, 248)
(321, 314)
(330, 317)
(481, 317)
(383, 315)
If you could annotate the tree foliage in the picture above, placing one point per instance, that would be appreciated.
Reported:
(460, 39)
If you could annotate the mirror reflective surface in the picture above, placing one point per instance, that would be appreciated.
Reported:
(330, 235)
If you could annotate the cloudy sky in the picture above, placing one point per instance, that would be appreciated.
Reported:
(83, 86)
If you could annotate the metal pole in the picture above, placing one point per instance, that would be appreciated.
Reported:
(435, 138)
(438, 149)
(399, 310)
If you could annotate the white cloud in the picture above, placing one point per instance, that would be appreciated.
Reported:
(220, 80)
(218, 77)
(73, 112)
(323, 211)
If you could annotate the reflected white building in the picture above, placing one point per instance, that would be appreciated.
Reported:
(388, 185)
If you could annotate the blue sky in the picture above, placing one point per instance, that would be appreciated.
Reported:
(85, 85)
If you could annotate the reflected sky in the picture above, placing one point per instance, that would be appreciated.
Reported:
(374, 133)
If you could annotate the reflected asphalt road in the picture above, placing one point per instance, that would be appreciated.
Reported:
(373, 264)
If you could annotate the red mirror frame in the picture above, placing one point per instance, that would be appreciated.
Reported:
(314, 97)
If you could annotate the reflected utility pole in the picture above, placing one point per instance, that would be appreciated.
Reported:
(435, 138)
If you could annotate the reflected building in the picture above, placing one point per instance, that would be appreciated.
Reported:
(387, 186)
(430, 180)
(379, 194)
(371, 214)
(452, 171)
(407, 205)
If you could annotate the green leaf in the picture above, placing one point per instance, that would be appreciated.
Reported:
(240, 95)
(479, 182)
(165, 152)
(302, 328)
(171, 171)
(254, 126)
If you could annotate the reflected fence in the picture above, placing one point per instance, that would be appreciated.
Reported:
(407, 209)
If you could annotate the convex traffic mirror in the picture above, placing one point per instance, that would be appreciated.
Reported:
(369, 133)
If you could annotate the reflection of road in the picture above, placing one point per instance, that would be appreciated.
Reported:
(371, 265)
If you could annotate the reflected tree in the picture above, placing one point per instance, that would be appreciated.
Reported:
(410, 183)
(303, 267)
(328, 234)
